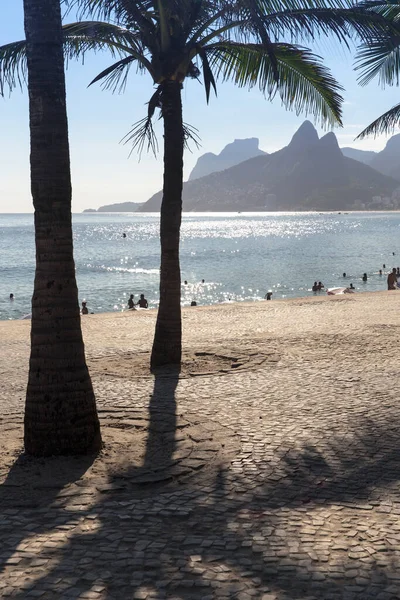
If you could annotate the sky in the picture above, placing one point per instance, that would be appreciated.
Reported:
(102, 170)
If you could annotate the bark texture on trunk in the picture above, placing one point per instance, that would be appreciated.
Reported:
(167, 345)
(60, 411)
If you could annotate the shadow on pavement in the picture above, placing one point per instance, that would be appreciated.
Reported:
(276, 540)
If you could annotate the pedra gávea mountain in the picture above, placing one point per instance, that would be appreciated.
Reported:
(311, 173)
(233, 154)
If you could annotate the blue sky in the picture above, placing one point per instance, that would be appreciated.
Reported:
(102, 171)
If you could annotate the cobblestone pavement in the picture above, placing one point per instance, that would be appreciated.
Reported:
(273, 482)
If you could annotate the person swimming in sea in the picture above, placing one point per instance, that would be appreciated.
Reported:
(315, 287)
(365, 277)
(143, 302)
(131, 303)
(11, 296)
(392, 280)
(320, 286)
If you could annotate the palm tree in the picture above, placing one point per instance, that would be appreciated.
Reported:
(60, 412)
(379, 56)
(173, 40)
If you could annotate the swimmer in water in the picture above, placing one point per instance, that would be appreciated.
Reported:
(131, 303)
(11, 296)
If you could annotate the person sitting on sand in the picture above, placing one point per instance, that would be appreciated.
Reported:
(315, 287)
(351, 287)
(392, 280)
(131, 303)
(193, 303)
(84, 310)
(365, 277)
(143, 302)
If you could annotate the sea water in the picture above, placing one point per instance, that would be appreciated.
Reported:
(239, 256)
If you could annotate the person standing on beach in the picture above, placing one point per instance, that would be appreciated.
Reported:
(392, 280)
(84, 310)
(365, 277)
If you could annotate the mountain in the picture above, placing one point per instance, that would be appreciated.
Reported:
(364, 156)
(232, 154)
(121, 207)
(309, 173)
(388, 160)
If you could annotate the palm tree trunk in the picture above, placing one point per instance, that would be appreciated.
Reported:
(167, 345)
(60, 411)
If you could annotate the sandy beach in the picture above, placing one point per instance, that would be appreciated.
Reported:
(274, 473)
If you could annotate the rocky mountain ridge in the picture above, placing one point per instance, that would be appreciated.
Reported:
(311, 173)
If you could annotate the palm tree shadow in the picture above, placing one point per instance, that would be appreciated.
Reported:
(156, 526)
(161, 442)
(38, 483)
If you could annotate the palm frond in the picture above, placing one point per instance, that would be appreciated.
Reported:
(304, 84)
(142, 133)
(384, 124)
(389, 9)
(12, 65)
(115, 77)
(346, 25)
(207, 74)
(83, 36)
(380, 58)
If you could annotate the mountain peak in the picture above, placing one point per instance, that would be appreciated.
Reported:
(393, 143)
(232, 154)
(329, 140)
(305, 136)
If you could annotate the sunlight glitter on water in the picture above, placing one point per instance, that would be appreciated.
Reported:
(240, 256)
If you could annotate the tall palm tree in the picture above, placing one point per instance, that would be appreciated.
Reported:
(173, 40)
(60, 412)
(379, 56)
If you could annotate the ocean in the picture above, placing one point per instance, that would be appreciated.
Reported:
(239, 256)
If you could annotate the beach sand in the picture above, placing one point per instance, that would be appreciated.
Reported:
(287, 412)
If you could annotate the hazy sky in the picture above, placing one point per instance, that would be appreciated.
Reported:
(102, 171)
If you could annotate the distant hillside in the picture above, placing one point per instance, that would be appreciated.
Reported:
(388, 161)
(310, 173)
(232, 154)
(364, 156)
(121, 207)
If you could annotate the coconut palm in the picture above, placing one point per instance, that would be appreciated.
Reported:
(245, 41)
(379, 56)
(60, 413)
